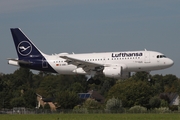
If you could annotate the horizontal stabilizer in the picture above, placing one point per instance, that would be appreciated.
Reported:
(17, 62)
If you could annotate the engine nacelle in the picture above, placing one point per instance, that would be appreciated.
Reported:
(116, 72)
(79, 71)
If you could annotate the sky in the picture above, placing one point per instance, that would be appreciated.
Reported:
(83, 26)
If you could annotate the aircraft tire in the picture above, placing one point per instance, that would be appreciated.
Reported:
(90, 81)
(97, 82)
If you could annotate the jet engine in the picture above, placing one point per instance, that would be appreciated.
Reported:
(116, 72)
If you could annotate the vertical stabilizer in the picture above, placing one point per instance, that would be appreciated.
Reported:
(23, 45)
(29, 56)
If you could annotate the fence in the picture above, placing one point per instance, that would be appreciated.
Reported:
(83, 111)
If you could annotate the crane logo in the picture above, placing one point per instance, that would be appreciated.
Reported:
(24, 48)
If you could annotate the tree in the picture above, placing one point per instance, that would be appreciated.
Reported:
(159, 83)
(67, 99)
(77, 87)
(22, 78)
(132, 93)
(164, 103)
(7, 90)
(17, 102)
(155, 102)
(143, 76)
(169, 79)
(49, 85)
(30, 98)
(106, 85)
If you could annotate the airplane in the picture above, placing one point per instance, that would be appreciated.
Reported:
(111, 64)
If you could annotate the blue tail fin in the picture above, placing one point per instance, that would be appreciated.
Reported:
(24, 47)
(29, 55)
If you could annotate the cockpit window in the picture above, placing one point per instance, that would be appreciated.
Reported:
(161, 56)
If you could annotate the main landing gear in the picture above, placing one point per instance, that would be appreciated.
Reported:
(92, 81)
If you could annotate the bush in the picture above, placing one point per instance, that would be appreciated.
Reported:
(164, 103)
(161, 110)
(155, 102)
(138, 109)
(173, 108)
(114, 105)
(79, 109)
(91, 104)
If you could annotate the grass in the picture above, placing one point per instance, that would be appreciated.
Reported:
(169, 116)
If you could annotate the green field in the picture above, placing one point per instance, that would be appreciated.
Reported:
(90, 117)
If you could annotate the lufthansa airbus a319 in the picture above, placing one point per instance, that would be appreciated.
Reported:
(111, 64)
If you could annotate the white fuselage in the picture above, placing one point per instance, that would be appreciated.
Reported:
(149, 61)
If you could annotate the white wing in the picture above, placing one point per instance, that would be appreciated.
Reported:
(85, 65)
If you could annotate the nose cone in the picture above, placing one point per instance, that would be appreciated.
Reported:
(170, 63)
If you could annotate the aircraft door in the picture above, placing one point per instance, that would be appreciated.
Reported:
(147, 57)
(44, 63)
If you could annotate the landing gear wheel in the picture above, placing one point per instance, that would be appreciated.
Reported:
(97, 82)
(91, 81)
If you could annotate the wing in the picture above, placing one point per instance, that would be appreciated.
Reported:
(85, 65)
